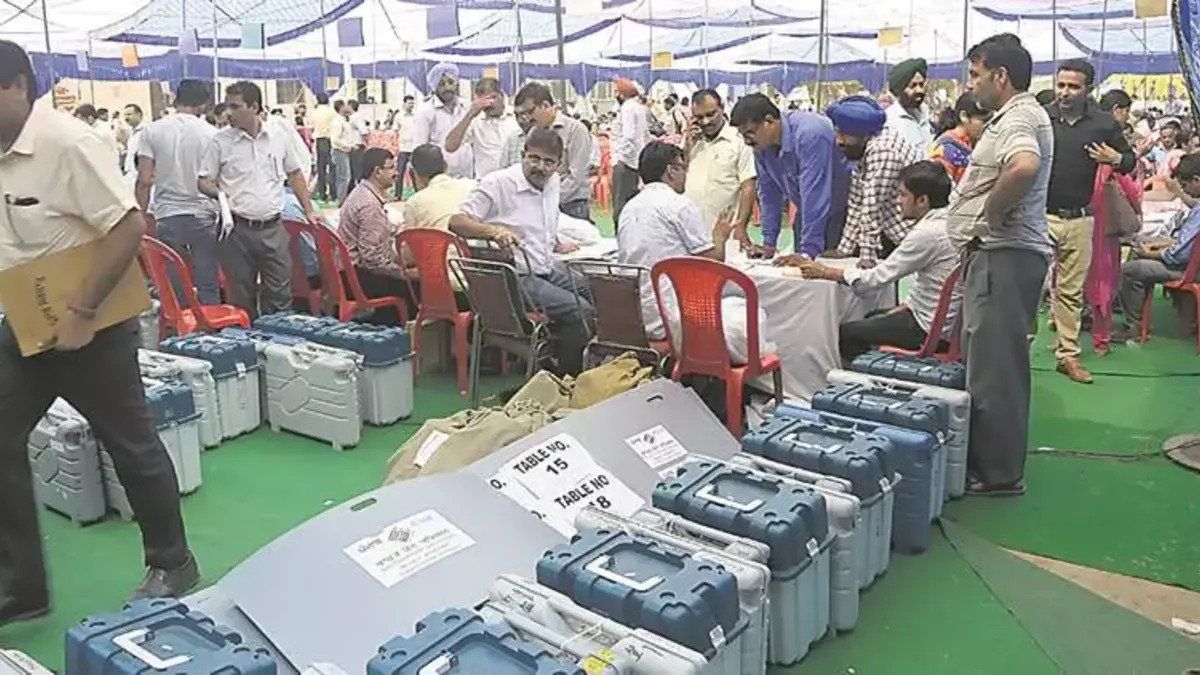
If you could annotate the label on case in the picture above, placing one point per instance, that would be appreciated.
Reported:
(657, 447)
(556, 479)
(408, 546)
(429, 448)
(814, 549)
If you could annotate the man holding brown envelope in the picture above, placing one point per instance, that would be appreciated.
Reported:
(65, 201)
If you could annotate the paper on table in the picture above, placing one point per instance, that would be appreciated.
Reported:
(226, 215)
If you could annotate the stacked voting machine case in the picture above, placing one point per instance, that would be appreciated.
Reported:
(234, 365)
(915, 457)
(460, 641)
(65, 460)
(308, 388)
(831, 454)
(177, 422)
(790, 519)
(195, 373)
(703, 543)
(958, 407)
(922, 369)
(597, 644)
(160, 635)
(849, 555)
(898, 409)
(387, 381)
(13, 662)
(641, 583)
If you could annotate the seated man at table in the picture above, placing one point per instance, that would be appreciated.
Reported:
(660, 222)
(438, 196)
(518, 206)
(364, 227)
(1158, 261)
(926, 252)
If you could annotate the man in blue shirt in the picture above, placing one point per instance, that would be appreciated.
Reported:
(1160, 261)
(794, 155)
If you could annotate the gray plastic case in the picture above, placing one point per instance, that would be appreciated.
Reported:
(65, 460)
(959, 404)
(13, 662)
(197, 374)
(313, 390)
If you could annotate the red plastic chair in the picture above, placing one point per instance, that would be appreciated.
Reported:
(1185, 284)
(340, 281)
(698, 284)
(155, 258)
(300, 287)
(938, 326)
(436, 301)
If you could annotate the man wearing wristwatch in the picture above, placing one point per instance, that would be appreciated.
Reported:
(63, 189)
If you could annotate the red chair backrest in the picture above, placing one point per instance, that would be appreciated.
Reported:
(698, 285)
(337, 267)
(156, 259)
(428, 247)
(1193, 267)
(938, 325)
(296, 229)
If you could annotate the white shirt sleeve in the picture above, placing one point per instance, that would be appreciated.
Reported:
(690, 226)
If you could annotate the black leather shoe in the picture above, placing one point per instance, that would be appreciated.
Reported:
(160, 583)
(18, 615)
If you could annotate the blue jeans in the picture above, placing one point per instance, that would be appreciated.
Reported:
(341, 175)
(567, 313)
(195, 237)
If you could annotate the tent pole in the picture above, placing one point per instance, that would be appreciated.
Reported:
(562, 61)
(91, 79)
(1145, 61)
(1101, 75)
(1054, 24)
(182, 56)
(704, 37)
(520, 43)
(966, 41)
(50, 55)
(324, 55)
(821, 25)
(216, 54)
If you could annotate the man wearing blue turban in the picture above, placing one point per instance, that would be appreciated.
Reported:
(434, 121)
(873, 214)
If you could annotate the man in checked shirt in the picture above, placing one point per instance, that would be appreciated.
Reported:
(874, 223)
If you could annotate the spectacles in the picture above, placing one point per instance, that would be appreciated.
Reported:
(544, 162)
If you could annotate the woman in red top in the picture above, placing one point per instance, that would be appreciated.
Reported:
(953, 148)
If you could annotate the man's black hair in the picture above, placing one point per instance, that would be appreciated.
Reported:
(654, 160)
(1005, 51)
(752, 109)
(928, 178)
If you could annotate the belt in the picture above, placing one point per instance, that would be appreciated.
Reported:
(1071, 214)
(256, 223)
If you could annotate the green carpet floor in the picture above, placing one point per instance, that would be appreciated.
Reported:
(963, 607)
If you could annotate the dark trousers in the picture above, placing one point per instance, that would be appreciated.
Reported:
(194, 237)
(102, 382)
(356, 161)
(325, 181)
(897, 328)
(377, 285)
(625, 186)
(1000, 299)
(258, 262)
(578, 208)
(401, 171)
(568, 314)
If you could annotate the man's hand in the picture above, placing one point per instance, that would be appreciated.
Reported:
(693, 133)
(723, 228)
(763, 252)
(866, 263)
(481, 103)
(1103, 154)
(504, 236)
(812, 269)
(314, 217)
(792, 260)
(565, 247)
(1151, 250)
(1174, 187)
(74, 330)
(834, 254)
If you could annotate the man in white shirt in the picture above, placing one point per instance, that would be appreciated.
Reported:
(926, 252)
(433, 122)
(362, 127)
(485, 135)
(322, 122)
(721, 170)
(249, 162)
(660, 222)
(907, 114)
(534, 106)
(631, 133)
(345, 139)
(134, 118)
(518, 206)
(170, 155)
(402, 123)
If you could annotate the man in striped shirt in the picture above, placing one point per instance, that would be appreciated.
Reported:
(874, 224)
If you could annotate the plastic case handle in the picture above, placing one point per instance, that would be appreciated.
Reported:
(130, 643)
(440, 664)
(600, 567)
(709, 493)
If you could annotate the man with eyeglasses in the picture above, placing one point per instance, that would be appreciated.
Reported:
(518, 207)
(534, 107)
(721, 173)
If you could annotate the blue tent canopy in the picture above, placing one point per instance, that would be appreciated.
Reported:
(1016, 10)
(1123, 36)
(1187, 15)
(162, 21)
(537, 30)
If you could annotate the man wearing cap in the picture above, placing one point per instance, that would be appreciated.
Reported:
(631, 133)
(907, 114)
(874, 222)
(434, 121)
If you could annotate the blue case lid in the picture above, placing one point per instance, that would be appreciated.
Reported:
(642, 583)
(379, 345)
(462, 642)
(225, 353)
(903, 440)
(762, 508)
(862, 458)
(885, 405)
(171, 401)
(920, 369)
(159, 636)
(261, 336)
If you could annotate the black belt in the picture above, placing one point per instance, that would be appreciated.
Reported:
(256, 223)
(1070, 214)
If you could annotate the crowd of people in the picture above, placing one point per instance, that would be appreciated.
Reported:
(1003, 187)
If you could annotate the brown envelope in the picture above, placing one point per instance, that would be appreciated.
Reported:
(36, 293)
